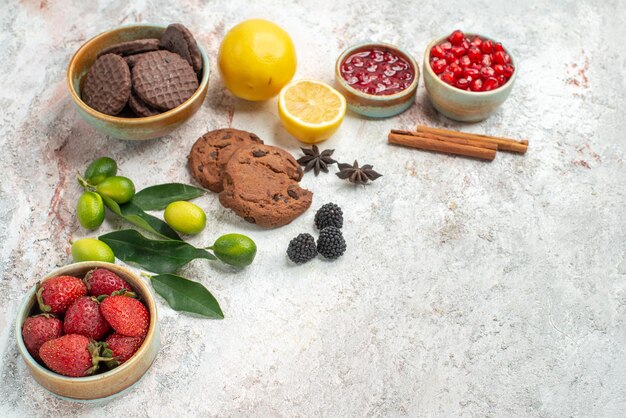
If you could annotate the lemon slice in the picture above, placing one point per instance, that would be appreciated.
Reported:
(311, 110)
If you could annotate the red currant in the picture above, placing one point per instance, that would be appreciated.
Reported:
(447, 78)
(490, 84)
(486, 47)
(456, 37)
(437, 51)
(439, 65)
(477, 85)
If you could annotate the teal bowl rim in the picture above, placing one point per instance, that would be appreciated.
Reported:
(206, 71)
(494, 92)
(383, 98)
(22, 314)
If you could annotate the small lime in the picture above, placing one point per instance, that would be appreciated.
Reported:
(235, 249)
(120, 189)
(100, 169)
(90, 210)
(91, 249)
(185, 217)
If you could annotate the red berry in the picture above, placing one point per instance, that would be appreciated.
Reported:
(455, 69)
(456, 37)
(471, 73)
(72, 355)
(439, 65)
(57, 294)
(447, 77)
(123, 347)
(464, 61)
(477, 41)
(127, 316)
(104, 282)
(498, 47)
(486, 47)
(486, 72)
(84, 318)
(446, 46)
(490, 84)
(474, 54)
(477, 85)
(508, 70)
(463, 83)
(437, 51)
(39, 329)
(458, 51)
(486, 60)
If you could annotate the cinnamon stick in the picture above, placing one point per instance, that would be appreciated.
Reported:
(480, 143)
(504, 144)
(428, 144)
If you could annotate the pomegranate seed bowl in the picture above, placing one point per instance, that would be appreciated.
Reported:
(378, 80)
(468, 76)
(106, 382)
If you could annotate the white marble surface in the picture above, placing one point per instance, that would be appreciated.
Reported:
(468, 289)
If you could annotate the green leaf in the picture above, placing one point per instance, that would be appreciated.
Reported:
(153, 255)
(186, 295)
(133, 214)
(159, 196)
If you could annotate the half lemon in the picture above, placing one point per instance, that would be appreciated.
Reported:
(311, 110)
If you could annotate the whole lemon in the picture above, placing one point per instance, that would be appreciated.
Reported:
(92, 249)
(257, 59)
(185, 217)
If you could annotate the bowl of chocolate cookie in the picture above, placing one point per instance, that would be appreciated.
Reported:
(139, 81)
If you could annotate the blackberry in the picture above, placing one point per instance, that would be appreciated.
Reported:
(331, 243)
(329, 215)
(302, 249)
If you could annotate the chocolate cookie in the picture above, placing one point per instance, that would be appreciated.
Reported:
(107, 85)
(163, 80)
(140, 108)
(131, 60)
(211, 152)
(132, 47)
(178, 39)
(261, 186)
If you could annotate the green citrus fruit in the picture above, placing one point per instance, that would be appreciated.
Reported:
(185, 217)
(90, 210)
(91, 249)
(100, 169)
(120, 189)
(235, 249)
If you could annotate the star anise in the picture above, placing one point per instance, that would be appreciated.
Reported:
(356, 174)
(315, 160)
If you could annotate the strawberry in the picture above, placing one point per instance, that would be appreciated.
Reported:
(72, 355)
(84, 318)
(122, 348)
(126, 315)
(104, 282)
(57, 294)
(39, 329)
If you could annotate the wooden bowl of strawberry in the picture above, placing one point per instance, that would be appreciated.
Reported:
(88, 330)
(468, 76)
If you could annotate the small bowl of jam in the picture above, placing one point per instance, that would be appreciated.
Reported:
(377, 80)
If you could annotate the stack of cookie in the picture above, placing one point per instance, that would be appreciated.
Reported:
(258, 182)
(144, 77)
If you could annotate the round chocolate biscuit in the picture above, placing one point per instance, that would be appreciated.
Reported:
(131, 60)
(107, 85)
(211, 152)
(163, 80)
(177, 38)
(261, 185)
(132, 47)
(140, 108)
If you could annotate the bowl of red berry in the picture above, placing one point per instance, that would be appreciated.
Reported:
(468, 76)
(88, 330)
(378, 80)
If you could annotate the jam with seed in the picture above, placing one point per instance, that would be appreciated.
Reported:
(377, 71)
(474, 64)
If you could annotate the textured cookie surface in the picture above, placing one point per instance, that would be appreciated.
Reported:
(261, 186)
(131, 60)
(177, 38)
(132, 47)
(107, 85)
(163, 80)
(140, 108)
(211, 152)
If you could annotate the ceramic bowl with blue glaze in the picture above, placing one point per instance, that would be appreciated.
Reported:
(463, 105)
(371, 105)
(130, 128)
(104, 385)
